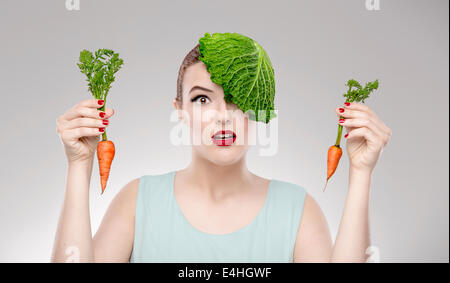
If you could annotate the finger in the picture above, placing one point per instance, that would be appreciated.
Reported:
(89, 112)
(85, 122)
(89, 103)
(351, 113)
(366, 133)
(76, 133)
(360, 122)
(358, 106)
(364, 108)
(92, 103)
(364, 115)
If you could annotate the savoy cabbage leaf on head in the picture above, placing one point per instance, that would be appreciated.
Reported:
(243, 69)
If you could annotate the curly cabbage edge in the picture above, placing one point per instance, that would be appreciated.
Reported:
(269, 113)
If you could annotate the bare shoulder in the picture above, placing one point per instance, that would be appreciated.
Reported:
(128, 193)
(114, 238)
(313, 243)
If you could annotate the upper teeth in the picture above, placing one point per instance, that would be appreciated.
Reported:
(223, 136)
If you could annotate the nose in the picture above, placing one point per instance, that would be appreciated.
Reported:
(223, 116)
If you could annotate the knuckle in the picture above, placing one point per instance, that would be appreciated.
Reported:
(366, 116)
(79, 132)
(77, 105)
(365, 122)
(82, 122)
(366, 108)
(77, 109)
(58, 129)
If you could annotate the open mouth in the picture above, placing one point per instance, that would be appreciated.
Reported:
(224, 138)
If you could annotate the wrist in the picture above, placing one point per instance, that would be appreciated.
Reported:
(81, 163)
(81, 166)
(360, 171)
(359, 181)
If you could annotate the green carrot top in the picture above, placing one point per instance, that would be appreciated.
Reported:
(358, 93)
(99, 70)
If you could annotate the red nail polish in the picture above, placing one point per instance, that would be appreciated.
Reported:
(347, 103)
(105, 122)
(346, 135)
(100, 102)
(102, 114)
(341, 110)
(101, 129)
(341, 120)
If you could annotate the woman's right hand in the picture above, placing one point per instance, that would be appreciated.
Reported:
(79, 129)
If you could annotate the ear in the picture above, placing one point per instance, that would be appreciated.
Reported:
(175, 105)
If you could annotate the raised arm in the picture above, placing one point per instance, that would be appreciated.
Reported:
(79, 131)
(366, 137)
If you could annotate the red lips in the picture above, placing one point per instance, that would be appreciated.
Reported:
(224, 138)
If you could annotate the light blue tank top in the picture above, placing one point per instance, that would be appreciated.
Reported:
(163, 234)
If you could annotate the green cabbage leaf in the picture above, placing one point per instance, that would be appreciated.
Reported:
(243, 69)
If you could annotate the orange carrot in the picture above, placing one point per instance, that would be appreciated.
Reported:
(105, 155)
(334, 155)
(99, 68)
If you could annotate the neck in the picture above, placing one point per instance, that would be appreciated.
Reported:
(218, 180)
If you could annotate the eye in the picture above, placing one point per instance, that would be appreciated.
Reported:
(201, 99)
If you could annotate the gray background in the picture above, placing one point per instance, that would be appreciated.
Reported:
(315, 47)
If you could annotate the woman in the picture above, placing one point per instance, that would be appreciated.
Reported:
(215, 209)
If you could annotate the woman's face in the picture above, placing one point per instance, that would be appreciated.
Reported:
(207, 113)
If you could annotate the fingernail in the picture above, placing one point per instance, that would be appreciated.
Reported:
(100, 102)
(101, 129)
(341, 110)
(341, 120)
(346, 135)
(102, 114)
(347, 103)
(105, 122)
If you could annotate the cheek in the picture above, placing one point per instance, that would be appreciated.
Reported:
(200, 125)
(242, 131)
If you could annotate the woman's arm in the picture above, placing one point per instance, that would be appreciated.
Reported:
(314, 242)
(353, 237)
(73, 240)
(366, 137)
(114, 238)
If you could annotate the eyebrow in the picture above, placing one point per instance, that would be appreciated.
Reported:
(199, 88)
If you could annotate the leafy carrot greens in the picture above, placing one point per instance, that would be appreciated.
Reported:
(358, 93)
(99, 69)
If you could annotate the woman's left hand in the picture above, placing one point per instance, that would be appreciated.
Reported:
(367, 135)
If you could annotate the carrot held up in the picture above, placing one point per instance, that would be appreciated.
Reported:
(355, 93)
(99, 69)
